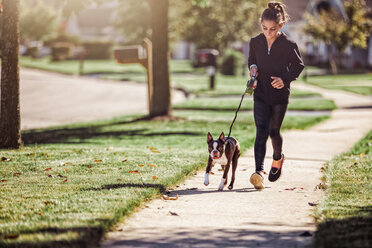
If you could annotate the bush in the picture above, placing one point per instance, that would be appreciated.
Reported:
(231, 61)
(98, 49)
(33, 51)
(61, 51)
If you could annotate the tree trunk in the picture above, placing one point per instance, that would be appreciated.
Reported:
(160, 104)
(10, 119)
(332, 61)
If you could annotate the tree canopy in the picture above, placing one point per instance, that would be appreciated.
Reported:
(37, 20)
(332, 28)
(212, 24)
(217, 24)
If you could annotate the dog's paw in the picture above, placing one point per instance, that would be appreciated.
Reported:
(230, 187)
(222, 184)
(206, 179)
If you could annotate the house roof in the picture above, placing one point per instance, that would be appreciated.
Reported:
(296, 9)
(98, 18)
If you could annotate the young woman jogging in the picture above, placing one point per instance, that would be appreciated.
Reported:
(276, 62)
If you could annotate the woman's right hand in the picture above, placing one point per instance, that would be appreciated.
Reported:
(253, 70)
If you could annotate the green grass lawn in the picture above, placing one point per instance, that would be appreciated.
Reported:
(183, 75)
(358, 83)
(105, 68)
(345, 214)
(68, 185)
(195, 81)
(232, 104)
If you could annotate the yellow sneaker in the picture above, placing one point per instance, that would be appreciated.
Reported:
(257, 180)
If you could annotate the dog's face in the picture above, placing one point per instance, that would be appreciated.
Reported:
(216, 147)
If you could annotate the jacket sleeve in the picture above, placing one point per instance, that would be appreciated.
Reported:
(252, 55)
(296, 65)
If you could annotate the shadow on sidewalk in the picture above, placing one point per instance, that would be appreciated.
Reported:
(209, 237)
(196, 191)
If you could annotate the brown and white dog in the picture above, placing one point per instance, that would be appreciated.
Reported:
(222, 151)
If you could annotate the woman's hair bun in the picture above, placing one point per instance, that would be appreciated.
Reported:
(274, 5)
(276, 11)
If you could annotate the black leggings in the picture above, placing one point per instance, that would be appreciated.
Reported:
(268, 120)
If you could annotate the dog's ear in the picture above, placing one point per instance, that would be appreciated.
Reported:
(222, 137)
(209, 137)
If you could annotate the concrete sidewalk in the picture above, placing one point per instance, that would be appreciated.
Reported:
(279, 216)
(49, 99)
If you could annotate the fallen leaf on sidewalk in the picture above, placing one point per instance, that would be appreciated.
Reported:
(173, 213)
(294, 189)
(167, 197)
(290, 189)
(313, 204)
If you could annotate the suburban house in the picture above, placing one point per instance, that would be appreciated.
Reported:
(315, 52)
(95, 22)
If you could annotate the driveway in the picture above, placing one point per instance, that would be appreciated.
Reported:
(49, 99)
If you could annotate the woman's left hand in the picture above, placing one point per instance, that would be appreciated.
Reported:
(277, 83)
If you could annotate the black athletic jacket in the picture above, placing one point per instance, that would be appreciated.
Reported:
(283, 60)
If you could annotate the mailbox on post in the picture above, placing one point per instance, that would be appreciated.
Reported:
(129, 54)
(208, 58)
(138, 54)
